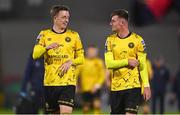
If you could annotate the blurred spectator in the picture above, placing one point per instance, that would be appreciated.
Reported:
(159, 84)
(32, 97)
(176, 6)
(149, 11)
(176, 89)
(91, 78)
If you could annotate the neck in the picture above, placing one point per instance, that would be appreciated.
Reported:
(58, 29)
(123, 33)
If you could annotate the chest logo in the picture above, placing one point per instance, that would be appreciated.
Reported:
(131, 45)
(68, 39)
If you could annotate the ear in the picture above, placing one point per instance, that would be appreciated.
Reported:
(123, 21)
(55, 17)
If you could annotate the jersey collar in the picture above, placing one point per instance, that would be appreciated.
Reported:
(57, 32)
(125, 37)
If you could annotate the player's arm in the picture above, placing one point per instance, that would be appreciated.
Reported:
(39, 48)
(109, 58)
(143, 69)
(79, 52)
(141, 55)
(114, 64)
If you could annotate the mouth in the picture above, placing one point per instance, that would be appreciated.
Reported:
(65, 23)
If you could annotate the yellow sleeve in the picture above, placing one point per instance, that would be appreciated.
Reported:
(149, 69)
(79, 52)
(143, 71)
(101, 73)
(114, 64)
(39, 48)
(109, 58)
(143, 65)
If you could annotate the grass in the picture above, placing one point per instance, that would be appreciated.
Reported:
(75, 111)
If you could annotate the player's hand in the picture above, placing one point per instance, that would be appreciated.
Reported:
(65, 67)
(52, 46)
(133, 62)
(95, 88)
(147, 93)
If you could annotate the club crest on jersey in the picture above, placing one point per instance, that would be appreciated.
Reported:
(131, 45)
(67, 39)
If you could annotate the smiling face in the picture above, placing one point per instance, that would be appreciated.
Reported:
(61, 20)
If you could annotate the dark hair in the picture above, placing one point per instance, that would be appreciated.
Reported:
(56, 8)
(121, 13)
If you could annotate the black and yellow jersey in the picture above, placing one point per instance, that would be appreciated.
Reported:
(91, 73)
(118, 51)
(69, 48)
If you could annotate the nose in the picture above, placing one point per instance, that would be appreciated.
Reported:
(67, 19)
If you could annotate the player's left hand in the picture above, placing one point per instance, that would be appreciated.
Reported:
(147, 93)
(95, 88)
(65, 67)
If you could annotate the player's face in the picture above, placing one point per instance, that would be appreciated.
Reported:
(92, 52)
(116, 23)
(62, 19)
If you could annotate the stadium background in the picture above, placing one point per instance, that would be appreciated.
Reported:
(22, 20)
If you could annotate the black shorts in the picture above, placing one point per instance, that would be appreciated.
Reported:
(125, 101)
(88, 97)
(58, 95)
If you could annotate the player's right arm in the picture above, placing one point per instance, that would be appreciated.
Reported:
(115, 64)
(40, 48)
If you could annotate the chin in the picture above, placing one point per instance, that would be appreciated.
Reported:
(113, 30)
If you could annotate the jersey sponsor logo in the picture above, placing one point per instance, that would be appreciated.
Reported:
(131, 45)
(58, 56)
(68, 39)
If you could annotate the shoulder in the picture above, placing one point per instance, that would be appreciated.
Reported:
(137, 36)
(111, 37)
(45, 31)
(70, 31)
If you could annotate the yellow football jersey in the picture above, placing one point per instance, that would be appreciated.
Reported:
(125, 48)
(69, 48)
(92, 72)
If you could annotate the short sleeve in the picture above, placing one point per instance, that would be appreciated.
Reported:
(141, 45)
(108, 45)
(78, 45)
